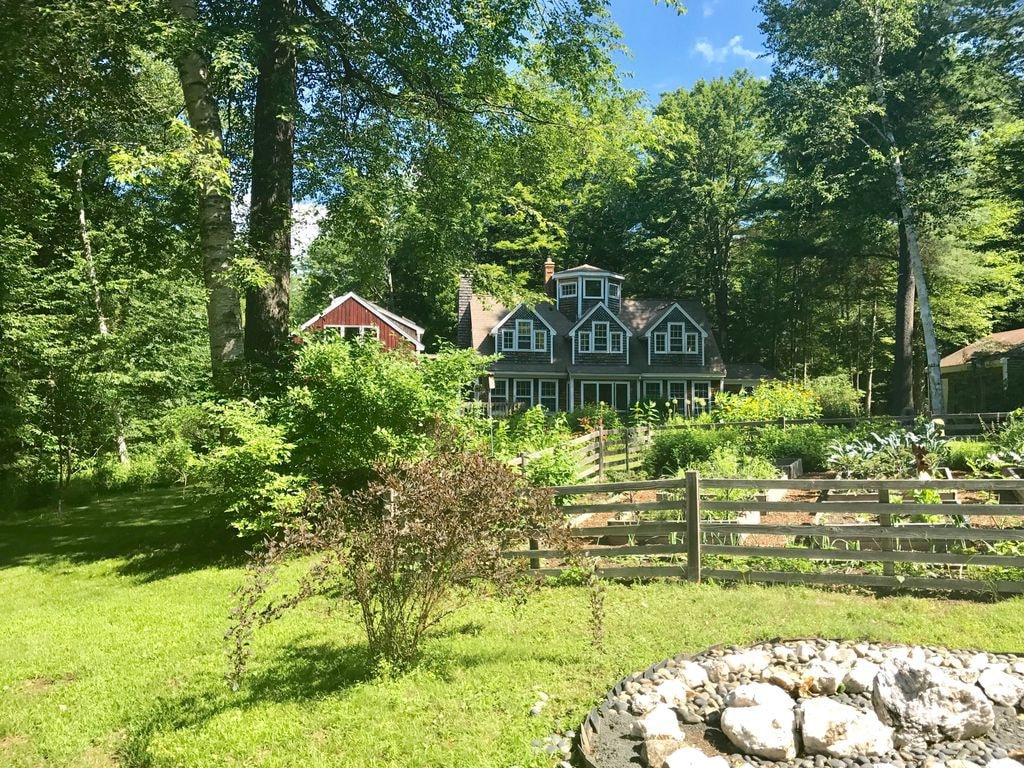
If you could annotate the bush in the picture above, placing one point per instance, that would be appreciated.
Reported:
(110, 474)
(556, 468)
(1009, 439)
(969, 455)
(731, 462)
(807, 442)
(769, 401)
(357, 405)
(402, 549)
(838, 398)
(588, 417)
(528, 431)
(247, 474)
(898, 454)
(680, 449)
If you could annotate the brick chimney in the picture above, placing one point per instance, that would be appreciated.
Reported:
(464, 327)
(549, 271)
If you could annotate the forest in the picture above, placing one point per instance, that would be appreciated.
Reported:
(860, 212)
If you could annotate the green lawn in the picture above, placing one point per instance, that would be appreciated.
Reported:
(112, 617)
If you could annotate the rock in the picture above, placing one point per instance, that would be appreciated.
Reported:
(805, 652)
(657, 752)
(672, 692)
(750, 662)
(757, 694)
(978, 662)
(783, 652)
(1002, 687)
(694, 758)
(923, 701)
(781, 677)
(861, 676)
(961, 764)
(765, 731)
(660, 723)
(716, 670)
(692, 674)
(821, 677)
(642, 703)
(1005, 762)
(837, 730)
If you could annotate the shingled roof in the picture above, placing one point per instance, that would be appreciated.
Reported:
(993, 345)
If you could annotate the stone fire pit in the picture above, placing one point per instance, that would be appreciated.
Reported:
(814, 704)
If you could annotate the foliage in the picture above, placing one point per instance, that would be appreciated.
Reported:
(529, 430)
(1010, 437)
(898, 454)
(403, 548)
(838, 398)
(674, 450)
(594, 415)
(246, 475)
(732, 462)
(808, 442)
(556, 468)
(769, 401)
(354, 406)
(969, 455)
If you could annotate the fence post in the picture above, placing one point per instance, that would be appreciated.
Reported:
(625, 442)
(886, 544)
(600, 453)
(533, 543)
(693, 526)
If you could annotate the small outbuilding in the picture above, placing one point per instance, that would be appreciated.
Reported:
(987, 375)
(352, 316)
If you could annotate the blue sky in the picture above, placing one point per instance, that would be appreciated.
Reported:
(714, 37)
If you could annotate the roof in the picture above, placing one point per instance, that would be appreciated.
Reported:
(585, 269)
(749, 371)
(403, 325)
(993, 345)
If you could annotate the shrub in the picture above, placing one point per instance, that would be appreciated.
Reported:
(357, 405)
(591, 415)
(556, 468)
(1009, 439)
(807, 442)
(680, 449)
(898, 454)
(530, 430)
(969, 455)
(769, 401)
(110, 474)
(247, 474)
(731, 462)
(402, 548)
(838, 398)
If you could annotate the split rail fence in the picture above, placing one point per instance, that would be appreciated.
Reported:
(674, 547)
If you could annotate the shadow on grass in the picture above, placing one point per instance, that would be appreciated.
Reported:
(156, 533)
(298, 672)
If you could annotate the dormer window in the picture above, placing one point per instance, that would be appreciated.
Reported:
(676, 334)
(567, 290)
(524, 337)
(593, 289)
(613, 290)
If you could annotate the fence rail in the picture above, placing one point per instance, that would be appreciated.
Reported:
(678, 546)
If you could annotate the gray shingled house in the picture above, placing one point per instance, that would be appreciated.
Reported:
(590, 344)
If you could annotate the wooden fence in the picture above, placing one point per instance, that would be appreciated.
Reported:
(599, 451)
(955, 423)
(692, 531)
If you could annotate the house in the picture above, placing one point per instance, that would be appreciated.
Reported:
(589, 343)
(987, 375)
(353, 316)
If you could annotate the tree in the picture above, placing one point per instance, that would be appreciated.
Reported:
(890, 82)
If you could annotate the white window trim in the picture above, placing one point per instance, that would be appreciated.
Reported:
(607, 335)
(508, 333)
(589, 346)
(682, 338)
(696, 343)
(544, 344)
(494, 391)
(646, 384)
(515, 390)
(565, 294)
(600, 281)
(361, 329)
(540, 391)
(663, 337)
(613, 337)
(613, 383)
(512, 333)
(613, 291)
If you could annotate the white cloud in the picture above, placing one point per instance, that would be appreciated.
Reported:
(733, 48)
(709, 7)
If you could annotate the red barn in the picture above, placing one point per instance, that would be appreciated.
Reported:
(351, 315)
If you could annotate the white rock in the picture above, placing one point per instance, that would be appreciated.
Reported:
(1018, 667)
(805, 652)
(658, 751)
(861, 676)
(828, 653)
(781, 677)
(783, 652)
(692, 674)
(642, 703)
(1002, 687)
(750, 662)
(672, 692)
(757, 694)
(978, 661)
(765, 731)
(837, 730)
(923, 701)
(1006, 762)
(660, 723)
(822, 677)
(961, 764)
(688, 757)
(716, 670)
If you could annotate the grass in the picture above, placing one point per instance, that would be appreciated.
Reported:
(112, 617)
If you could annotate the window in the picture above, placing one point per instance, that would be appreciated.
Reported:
(613, 393)
(549, 395)
(652, 391)
(584, 337)
(567, 290)
(616, 339)
(593, 289)
(508, 339)
(659, 342)
(500, 392)
(600, 337)
(692, 347)
(524, 392)
(677, 392)
(676, 332)
(524, 334)
(357, 331)
(701, 396)
(613, 290)
(540, 340)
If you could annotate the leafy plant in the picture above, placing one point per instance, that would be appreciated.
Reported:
(769, 401)
(900, 453)
(808, 442)
(838, 398)
(679, 449)
(592, 415)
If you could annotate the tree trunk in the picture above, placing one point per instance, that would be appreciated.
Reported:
(216, 229)
(266, 309)
(869, 403)
(97, 298)
(901, 399)
(722, 305)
